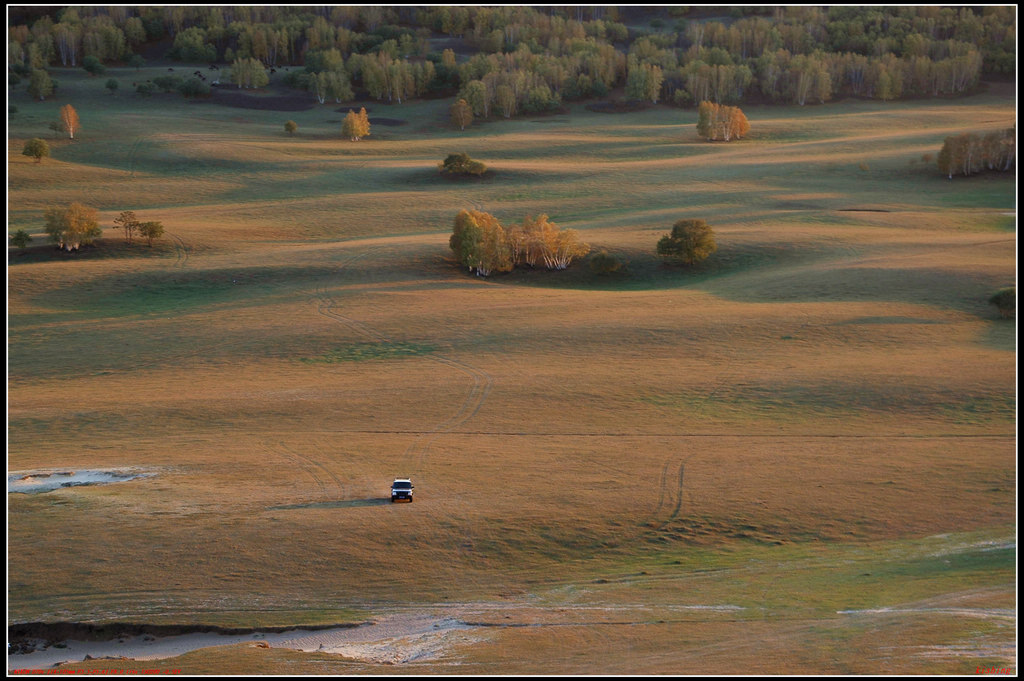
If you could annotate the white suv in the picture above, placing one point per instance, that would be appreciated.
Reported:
(401, 488)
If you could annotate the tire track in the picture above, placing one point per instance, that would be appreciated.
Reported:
(301, 462)
(655, 523)
(471, 405)
(324, 477)
(181, 251)
(131, 156)
(664, 479)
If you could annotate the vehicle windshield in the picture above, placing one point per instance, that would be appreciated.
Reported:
(399, 484)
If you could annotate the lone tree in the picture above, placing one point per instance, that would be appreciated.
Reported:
(290, 127)
(129, 223)
(36, 148)
(112, 85)
(462, 114)
(40, 84)
(1005, 301)
(21, 239)
(690, 242)
(151, 230)
(93, 66)
(356, 125)
(72, 227)
(69, 120)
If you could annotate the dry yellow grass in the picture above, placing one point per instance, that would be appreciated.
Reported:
(832, 378)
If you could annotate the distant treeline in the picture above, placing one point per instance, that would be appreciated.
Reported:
(525, 59)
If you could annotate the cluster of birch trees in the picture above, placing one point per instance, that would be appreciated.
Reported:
(356, 125)
(721, 122)
(483, 246)
(970, 153)
(249, 73)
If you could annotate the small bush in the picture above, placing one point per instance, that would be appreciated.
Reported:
(167, 83)
(690, 242)
(93, 66)
(193, 87)
(605, 263)
(21, 239)
(462, 164)
(1005, 301)
(36, 148)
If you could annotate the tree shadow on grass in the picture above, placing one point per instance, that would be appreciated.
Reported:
(182, 290)
(644, 270)
(103, 249)
(774, 272)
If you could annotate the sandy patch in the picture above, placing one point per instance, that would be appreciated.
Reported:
(36, 482)
(395, 639)
(983, 613)
(392, 639)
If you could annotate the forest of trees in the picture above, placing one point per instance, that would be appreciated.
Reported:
(523, 60)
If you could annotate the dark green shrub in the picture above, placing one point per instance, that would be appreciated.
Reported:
(93, 66)
(605, 263)
(193, 87)
(1005, 301)
(462, 164)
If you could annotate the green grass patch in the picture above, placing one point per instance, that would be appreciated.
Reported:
(798, 402)
(361, 352)
(826, 578)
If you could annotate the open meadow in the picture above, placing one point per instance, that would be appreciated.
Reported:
(795, 457)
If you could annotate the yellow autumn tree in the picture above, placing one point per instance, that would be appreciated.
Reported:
(719, 122)
(461, 113)
(69, 120)
(364, 123)
(480, 243)
(356, 125)
(539, 241)
(72, 227)
(483, 246)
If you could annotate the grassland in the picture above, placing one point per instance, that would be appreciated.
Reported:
(798, 456)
